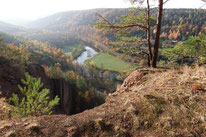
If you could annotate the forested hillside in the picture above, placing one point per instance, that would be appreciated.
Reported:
(67, 30)
(66, 20)
(9, 28)
(177, 23)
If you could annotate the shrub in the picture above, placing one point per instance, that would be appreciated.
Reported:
(36, 101)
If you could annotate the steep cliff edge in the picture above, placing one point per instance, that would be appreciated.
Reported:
(67, 96)
(10, 77)
(149, 103)
(57, 87)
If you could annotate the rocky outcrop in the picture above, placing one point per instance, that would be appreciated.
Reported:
(133, 78)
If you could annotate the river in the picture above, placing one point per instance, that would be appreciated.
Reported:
(89, 53)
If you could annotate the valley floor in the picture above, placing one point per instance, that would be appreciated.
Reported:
(108, 62)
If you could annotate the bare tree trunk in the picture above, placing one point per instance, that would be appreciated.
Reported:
(157, 39)
(148, 34)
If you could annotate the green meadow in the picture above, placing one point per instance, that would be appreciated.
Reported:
(106, 61)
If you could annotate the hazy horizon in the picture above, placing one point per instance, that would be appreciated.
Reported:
(22, 11)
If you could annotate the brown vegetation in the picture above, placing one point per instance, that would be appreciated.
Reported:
(4, 109)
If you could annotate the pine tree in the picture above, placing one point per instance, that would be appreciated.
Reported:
(36, 101)
(190, 51)
(139, 19)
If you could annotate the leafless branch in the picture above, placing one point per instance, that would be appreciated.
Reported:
(165, 1)
(127, 26)
(110, 25)
(104, 19)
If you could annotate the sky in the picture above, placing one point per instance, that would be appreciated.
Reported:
(34, 9)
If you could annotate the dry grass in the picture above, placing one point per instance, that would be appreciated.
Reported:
(173, 103)
(4, 109)
(186, 76)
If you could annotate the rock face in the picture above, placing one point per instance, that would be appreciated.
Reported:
(10, 78)
(57, 87)
(61, 88)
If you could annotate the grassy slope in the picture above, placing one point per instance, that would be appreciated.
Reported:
(109, 62)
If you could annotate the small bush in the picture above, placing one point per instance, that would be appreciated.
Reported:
(36, 101)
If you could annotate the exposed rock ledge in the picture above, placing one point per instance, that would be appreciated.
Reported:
(149, 103)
